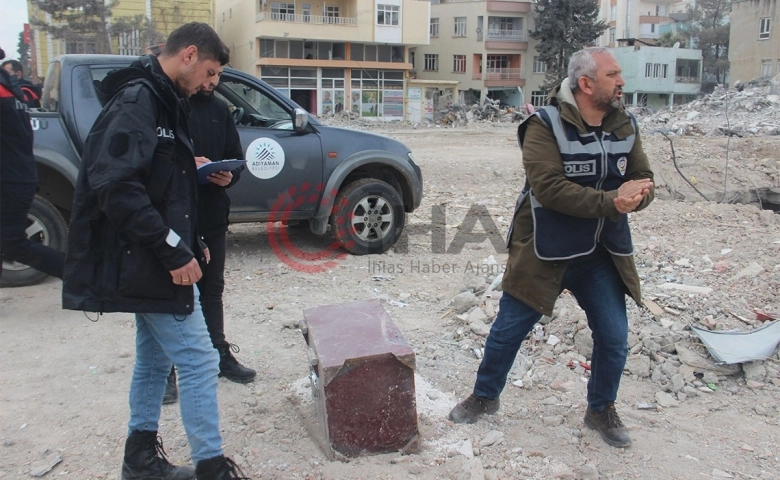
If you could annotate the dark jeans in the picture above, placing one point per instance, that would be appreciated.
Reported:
(211, 286)
(15, 201)
(596, 284)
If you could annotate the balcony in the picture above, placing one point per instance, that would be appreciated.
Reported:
(503, 77)
(311, 19)
(680, 79)
(506, 36)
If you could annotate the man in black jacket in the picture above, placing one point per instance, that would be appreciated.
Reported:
(216, 138)
(31, 92)
(133, 247)
(19, 182)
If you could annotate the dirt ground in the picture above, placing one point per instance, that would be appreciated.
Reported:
(64, 378)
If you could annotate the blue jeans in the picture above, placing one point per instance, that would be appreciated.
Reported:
(162, 340)
(596, 284)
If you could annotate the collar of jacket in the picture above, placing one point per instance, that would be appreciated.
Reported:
(167, 88)
(563, 98)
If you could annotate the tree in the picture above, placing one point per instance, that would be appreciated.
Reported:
(24, 54)
(670, 39)
(562, 28)
(81, 22)
(710, 30)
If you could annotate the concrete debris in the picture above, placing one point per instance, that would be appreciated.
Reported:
(740, 111)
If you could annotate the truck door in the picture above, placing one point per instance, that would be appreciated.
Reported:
(284, 167)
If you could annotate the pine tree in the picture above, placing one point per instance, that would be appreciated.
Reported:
(562, 28)
(710, 31)
(24, 54)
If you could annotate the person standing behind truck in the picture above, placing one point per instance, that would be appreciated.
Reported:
(31, 92)
(19, 182)
(215, 138)
(133, 247)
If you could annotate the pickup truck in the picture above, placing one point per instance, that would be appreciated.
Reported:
(298, 170)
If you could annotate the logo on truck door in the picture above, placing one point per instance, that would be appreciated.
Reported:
(265, 158)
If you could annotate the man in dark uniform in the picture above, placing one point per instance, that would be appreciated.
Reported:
(31, 92)
(133, 246)
(215, 138)
(19, 182)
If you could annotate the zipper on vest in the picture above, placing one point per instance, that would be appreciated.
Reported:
(600, 183)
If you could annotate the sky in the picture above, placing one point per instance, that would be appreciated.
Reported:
(12, 22)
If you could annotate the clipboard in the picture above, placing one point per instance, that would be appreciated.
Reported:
(220, 166)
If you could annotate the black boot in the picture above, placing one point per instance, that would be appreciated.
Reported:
(145, 459)
(230, 368)
(171, 391)
(218, 468)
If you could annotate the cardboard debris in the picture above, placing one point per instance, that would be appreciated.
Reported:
(731, 347)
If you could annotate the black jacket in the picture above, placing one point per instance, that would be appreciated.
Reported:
(32, 93)
(17, 164)
(134, 216)
(216, 138)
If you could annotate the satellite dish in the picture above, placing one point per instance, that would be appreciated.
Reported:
(676, 45)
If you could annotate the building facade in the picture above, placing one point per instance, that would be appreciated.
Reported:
(483, 44)
(658, 77)
(329, 56)
(754, 42)
(155, 20)
(642, 20)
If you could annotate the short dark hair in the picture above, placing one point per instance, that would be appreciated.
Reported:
(210, 46)
(16, 65)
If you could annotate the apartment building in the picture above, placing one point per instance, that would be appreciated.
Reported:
(483, 44)
(328, 55)
(754, 42)
(163, 15)
(658, 77)
(636, 19)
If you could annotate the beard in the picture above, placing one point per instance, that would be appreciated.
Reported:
(606, 101)
(180, 82)
(203, 93)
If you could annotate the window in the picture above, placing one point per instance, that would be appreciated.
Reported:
(539, 65)
(282, 11)
(613, 13)
(656, 70)
(497, 61)
(387, 14)
(331, 13)
(766, 68)
(538, 98)
(459, 63)
(460, 27)
(255, 103)
(763, 28)
(411, 59)
(432, 62)
(434, 29)
(306, 9)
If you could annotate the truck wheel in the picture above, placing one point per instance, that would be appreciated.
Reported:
(47, 227)
(368, 216)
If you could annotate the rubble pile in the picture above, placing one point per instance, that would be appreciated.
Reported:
(741, 111)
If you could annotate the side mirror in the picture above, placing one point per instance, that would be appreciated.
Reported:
(300, 119)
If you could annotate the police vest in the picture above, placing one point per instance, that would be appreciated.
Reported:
(591, 160)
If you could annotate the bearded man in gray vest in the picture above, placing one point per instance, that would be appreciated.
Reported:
(585, 171)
